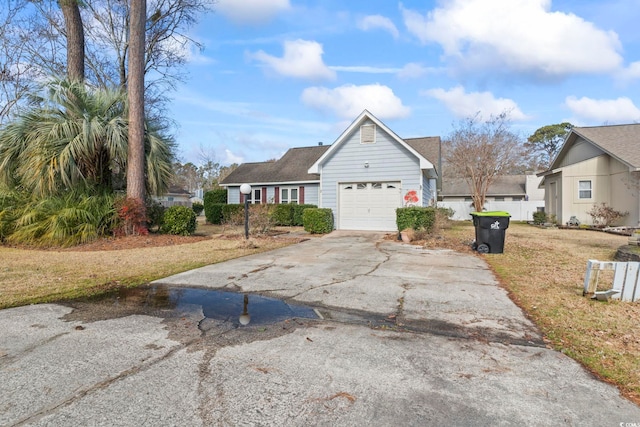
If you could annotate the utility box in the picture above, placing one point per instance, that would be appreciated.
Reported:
(490, 231)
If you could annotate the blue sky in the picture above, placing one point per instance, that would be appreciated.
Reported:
(277, 74)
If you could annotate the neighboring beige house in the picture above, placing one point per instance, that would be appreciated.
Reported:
(519, 195)
(599, 164)
(174, 196)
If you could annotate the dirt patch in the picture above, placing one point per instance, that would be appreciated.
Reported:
(135, 242)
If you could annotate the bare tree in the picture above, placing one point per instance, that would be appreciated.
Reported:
(480, 151)
(37, 38)
(135, 94)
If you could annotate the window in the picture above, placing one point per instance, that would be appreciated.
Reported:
(499, 199)
(257, 196)
(289, 195)
(368, 134)
(362, 186)
(376, 186)
(584, 189)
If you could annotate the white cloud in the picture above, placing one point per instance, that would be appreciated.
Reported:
(620, 110)
(373, 22)
(630, 73)
(231, 158)
(463, 104)
(348, 101)
(364, 69)
(251, 11)
(301, 59)
(413, 71)
(521, 35)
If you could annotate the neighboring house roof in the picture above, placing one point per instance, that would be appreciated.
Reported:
(177, 191)
(621, 142)
(292, 167)
(420, 143)
(506, 185)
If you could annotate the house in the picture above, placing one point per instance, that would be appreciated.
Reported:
(599, 164)
(366, 174)
(519, 195)
(174, 196)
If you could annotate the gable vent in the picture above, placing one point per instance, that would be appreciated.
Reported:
(368, 134)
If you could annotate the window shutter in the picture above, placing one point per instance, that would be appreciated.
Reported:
(241, 197)
(301, 195)
(264, 194)
(277, 195)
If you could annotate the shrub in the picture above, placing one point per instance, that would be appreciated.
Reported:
(232, 214)
(317, 220)
(155, 214)
(64, 220)
(179, 220)
(603, 215)
(197, 208)
(415, 218)
(298, 211)
(282, 215)
(539, 217)
(212, 205)
(131, 216)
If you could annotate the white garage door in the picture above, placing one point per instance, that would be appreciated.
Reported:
(369, 206)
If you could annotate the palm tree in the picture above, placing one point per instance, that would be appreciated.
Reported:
(77, 138)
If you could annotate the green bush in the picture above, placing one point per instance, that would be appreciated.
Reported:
(539, 217)
(229, 212)
(179, 220)
(298, 211)
(282, 215)
(415, 218)
(197, 208)
(64, 220)
(155, 214)
(212, 210)
(317, 220)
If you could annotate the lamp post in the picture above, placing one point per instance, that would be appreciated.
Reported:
(246, 190)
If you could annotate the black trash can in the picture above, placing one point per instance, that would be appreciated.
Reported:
(490, 231)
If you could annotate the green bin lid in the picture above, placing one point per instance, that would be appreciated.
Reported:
(491, 213)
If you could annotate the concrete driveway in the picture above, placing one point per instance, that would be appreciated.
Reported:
(406, 337)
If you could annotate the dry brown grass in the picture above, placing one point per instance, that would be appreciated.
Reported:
(543, 270)
(33, 276)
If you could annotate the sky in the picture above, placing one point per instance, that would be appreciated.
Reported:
(277, 74)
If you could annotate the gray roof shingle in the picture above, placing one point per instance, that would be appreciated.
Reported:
(620, 141)
(428, 147)
(292, 167)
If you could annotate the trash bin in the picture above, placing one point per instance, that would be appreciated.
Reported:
(490, 230)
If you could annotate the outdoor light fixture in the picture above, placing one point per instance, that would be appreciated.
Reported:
(246, 190)
(366, 164)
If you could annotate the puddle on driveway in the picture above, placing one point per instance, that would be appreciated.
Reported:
(166, 301)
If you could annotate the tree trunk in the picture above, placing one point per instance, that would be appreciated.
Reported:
(75, 39)
(135, 93)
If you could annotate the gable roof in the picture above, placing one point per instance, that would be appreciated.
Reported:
(505, 185)
(292, 167)
(425, 163)
(621, 142)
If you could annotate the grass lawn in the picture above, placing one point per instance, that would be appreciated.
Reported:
(543, 270)
(36, 276)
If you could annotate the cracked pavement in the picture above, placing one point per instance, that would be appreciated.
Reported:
(408, 336)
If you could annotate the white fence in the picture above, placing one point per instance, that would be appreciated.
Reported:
(519, 211)
(626, 281)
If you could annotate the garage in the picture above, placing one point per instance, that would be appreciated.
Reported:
(369, 206)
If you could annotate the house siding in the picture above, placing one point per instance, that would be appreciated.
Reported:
(611, 183)
(387, 161)
(310, 191)
(580, 151)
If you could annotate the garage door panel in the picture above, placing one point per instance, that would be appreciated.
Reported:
(369, 206)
